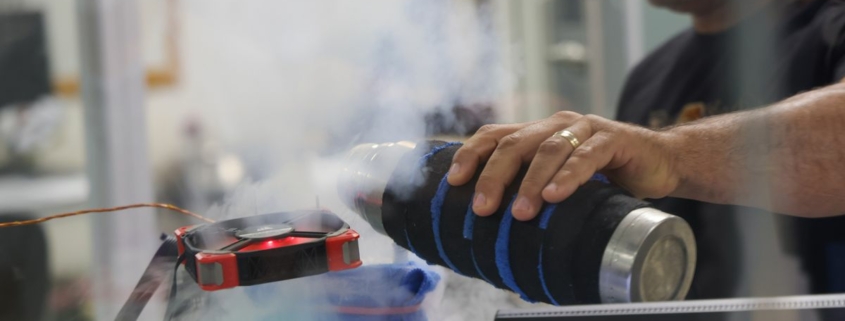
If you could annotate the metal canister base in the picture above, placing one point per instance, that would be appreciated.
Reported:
(650, 257)
(364, 178)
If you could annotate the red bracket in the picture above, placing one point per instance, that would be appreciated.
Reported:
(217, 271)
(180, 238)
(342, 251)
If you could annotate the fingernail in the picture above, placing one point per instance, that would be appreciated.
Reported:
(454, 169)
(479, 201)
(522, 205)
(551, 188)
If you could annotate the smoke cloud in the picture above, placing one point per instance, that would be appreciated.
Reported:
(289, 86)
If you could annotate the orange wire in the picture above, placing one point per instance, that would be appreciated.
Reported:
(102, 210)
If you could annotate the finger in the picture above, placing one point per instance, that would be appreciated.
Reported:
(512, 151)
(480, 147)
(476, 150)
(584, 161)
(549, 158)
(498, 172)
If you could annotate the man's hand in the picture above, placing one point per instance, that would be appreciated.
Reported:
(637, 159)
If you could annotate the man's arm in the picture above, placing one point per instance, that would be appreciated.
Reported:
(788, 158)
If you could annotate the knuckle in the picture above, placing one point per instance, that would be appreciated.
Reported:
(605, 137)
(563, 174)
(551, 147)
(488, 181)
(593, 118)
(510, 141)
(582, 152)
(530, 185)
(566, 114)
(464, 152)
(486, 129)
(573, 162)
(597, 122)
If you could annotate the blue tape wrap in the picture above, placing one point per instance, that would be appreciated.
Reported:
(545, 217)
(410, 245)
(503, 253)
(477, 269)
(436, 209)
(543, 278)
(600, 178)
(421, 165)
(433, 151)
(502, 246)
(469, 222)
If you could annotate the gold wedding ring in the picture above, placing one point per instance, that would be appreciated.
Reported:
(570, 137)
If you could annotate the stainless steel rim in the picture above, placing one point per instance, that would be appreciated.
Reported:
(650, 257)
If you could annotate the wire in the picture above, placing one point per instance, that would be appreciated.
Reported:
(103, 210)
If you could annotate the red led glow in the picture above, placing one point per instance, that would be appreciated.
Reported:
(369, 199)
(276, 243)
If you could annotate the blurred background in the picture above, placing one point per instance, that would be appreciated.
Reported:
(232, 108)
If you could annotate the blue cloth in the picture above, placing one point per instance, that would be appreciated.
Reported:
(322, 297)
(381, 286)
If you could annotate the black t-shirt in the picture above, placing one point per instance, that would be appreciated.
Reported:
(695, 75)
